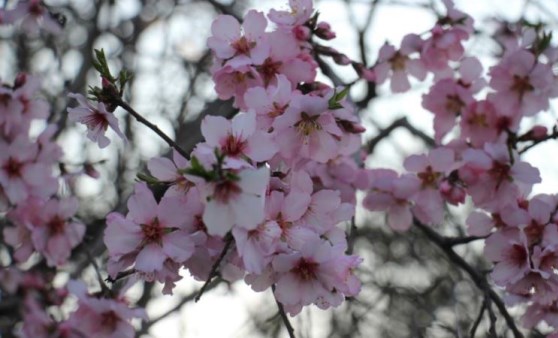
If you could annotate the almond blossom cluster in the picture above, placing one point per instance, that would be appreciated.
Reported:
(43, 224)
(32, 17)
(265, 194)
(477, 154)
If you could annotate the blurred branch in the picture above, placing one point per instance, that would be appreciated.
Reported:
(151, 126)
(479, 279)
(399, 123)
(215, 267)
(283, 315)
(185, 299)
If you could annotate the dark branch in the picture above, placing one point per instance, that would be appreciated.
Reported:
(215, 267)
(153, 127)
(479, 279)
(399, 123)
(284, 316)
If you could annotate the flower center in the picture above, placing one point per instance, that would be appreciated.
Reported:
(152, 232)
(13, 167)
(233, 146)
(398, 61)
(306, 270)
(56, 225)
(277, 110)
(95, 120)
(429, 177)
(109, 320)
(308, 124)
(454, 104)
(269, 69)
(225, 191)
(500, 171)
(521, 84)
(243, 46)
(5, 99)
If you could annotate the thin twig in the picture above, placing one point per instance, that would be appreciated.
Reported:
(399, 123)
(283, 315)
(552, 136)
(453, 241)
(215, 267)
(183, 301)
(492, 329)
(104, 287)
(120, 275)
(352, 236)
(153, 127)
(479, 279)
(478, 320)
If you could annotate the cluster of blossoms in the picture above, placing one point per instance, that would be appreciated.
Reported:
(263, 196)
(32, 17)
(477, 132)
(39, 223)
(43, 223)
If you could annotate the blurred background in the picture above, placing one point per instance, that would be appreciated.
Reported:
(410, 289)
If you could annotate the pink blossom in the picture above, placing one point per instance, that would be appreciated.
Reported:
(522, 84)
(230, 39)
(536, 313)
(443, 46)
(101, 317)
(21, 175)
(257, 246)
(287, 58)
(300, 12)
(234, 81)
(508, 249)
(150, 234)
(171, 172)
(238, 138)
(398, 64)
(34, 16)
(307, 130)
(392, 194)
(492, 181)
(97, 119)
(53, 233)
(235, 201)
(19, 238)
(270, 102)
(480, 123)
(316, 272)
(447, 99)
(430, 169)
(37, 323)
(11, 110)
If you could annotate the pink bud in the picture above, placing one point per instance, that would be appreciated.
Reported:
(90, 171)
(105, 82)
(301, 33)
(323, 31)
(20, 80)
(453, 194)
(538, 132)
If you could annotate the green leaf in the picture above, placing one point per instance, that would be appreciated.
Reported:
(147, 178)
(334, 101)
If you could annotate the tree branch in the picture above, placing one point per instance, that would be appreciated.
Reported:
(153, 127)
(479, 279)
(215, 267)
(283, 315)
